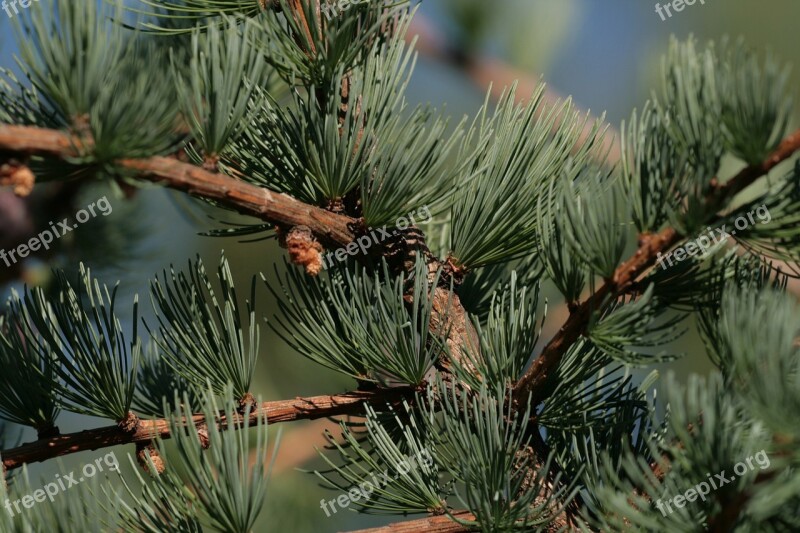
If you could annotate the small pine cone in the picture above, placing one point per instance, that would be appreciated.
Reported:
(145, 451)
(247, 399)
(18, 176)
(304, 249)
(211, 163)
(129, 423)
(205, 442)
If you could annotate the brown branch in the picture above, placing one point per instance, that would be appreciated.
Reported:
(747, 176)
(534, 380)
(231, 192)
(328, 227)
(246, 198)
(431, 524)
(278, 411)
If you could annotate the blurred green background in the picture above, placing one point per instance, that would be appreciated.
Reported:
(605, 53)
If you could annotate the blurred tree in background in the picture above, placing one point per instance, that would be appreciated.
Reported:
(524, 423)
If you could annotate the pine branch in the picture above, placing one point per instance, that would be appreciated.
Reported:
(434, 524)
(747, 176)
(328, 227)
(309, 408)
(236, 194)
(535, 378)
(292, 216)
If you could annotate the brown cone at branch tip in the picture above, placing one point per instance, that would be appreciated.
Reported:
(303, 248)
(205, 441)
(18, 176)
(145, 451)
(211, 163)
(247, 399)
(129, 423)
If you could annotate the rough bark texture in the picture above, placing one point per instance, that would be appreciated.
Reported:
(309, 408)
(431, 524)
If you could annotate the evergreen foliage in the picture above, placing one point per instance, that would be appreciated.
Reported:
(280, 97)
